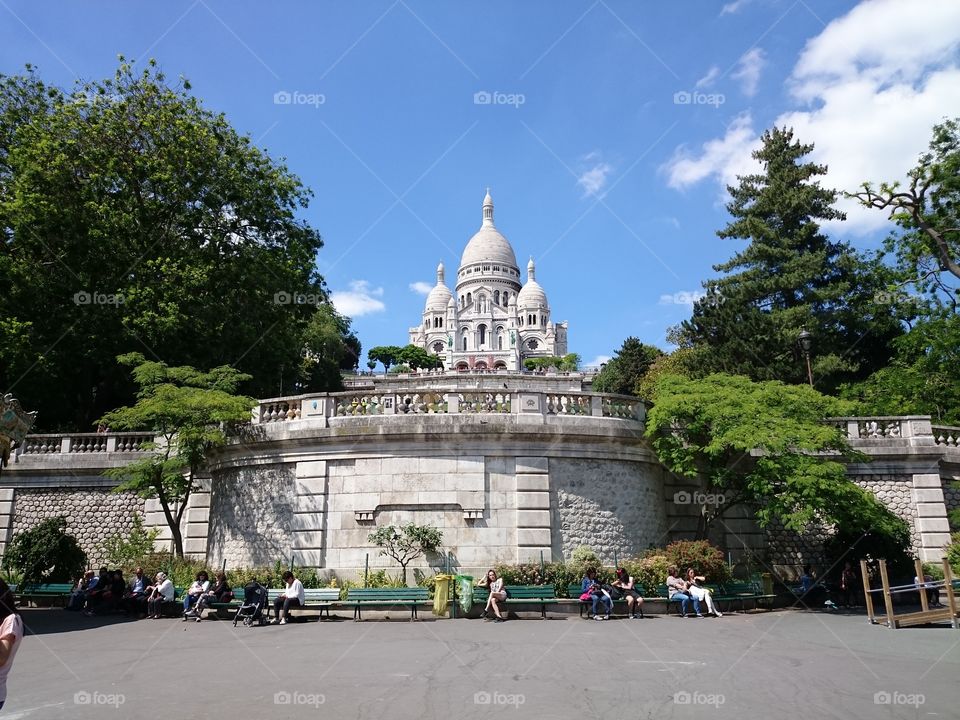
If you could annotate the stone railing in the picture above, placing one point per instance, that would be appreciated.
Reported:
(74, 443)
(461, 401)
(945, 435)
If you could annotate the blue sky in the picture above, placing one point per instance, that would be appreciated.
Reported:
(616, 127)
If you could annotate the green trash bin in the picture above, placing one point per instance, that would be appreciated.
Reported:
(465, 591)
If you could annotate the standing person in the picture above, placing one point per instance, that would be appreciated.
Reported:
(293, 596)
(624, 583)
(701, 593)
(848, 585)
(201, 583)
(11, 634)
(219, 593)
(677, 592)
(162, 592)
(497, 594)
(590, 588)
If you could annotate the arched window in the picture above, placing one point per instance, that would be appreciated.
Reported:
(506, 298)
(499, 342)
(481, 335)
(496, 297)
(469, 298)
(464, 343)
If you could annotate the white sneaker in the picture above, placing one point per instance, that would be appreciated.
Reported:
(607, 616)
(597, 618)
(276, 621)
(718, 613)
(283, 622)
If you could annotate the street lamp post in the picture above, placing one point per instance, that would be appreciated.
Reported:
(805, 341)
(14, 426)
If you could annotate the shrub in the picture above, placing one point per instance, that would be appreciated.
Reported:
(46, 553)
(649, 571)
(952, 551)
(703, 557)
(128, 552)
(934, 570)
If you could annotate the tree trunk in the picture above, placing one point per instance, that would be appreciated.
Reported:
(174, 525)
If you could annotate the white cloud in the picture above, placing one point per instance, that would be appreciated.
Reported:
(598, 361)
(707, 80)
(594, 180)
(748, 71)
(360, 299)
(421, 288)
(867, 91)
(734, 7)
(684, 297)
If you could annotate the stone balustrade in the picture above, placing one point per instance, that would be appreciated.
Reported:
(945, 435)
(84, 443)
(459, 401)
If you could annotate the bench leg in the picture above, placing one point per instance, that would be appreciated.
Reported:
(356, 613)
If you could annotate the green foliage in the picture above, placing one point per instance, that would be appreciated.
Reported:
(764, 445)
(628, 366)
(329, 347)
(133, 216)
(397, 369)
(568, 363)
(418, 358)
(952, 553)
(380, 579)
(387, 355)
(934, 570)
(790, 276)
(406, 543)
(45, 553)
(126, 551)
(700, 555)
(888, 538)
(190, 411)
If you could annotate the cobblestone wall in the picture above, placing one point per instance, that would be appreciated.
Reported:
(605, 504)
(93, 514)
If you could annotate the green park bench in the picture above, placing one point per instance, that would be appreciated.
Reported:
(43, 591)
(574, 591)
(541, 595)
(321, 598)
(742, 592)
(359, 598)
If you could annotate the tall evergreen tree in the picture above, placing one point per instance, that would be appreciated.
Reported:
(789, 277)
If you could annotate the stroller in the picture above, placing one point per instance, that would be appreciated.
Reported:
(254, 602)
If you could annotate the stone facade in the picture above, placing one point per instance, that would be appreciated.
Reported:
(92, 514)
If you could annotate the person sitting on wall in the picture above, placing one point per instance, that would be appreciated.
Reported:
(201, 583)
(497, 594)
(701, 593)
(592, 590)
(293, 596)
(219, 593)
(161, 592)
(624, 583)
(677, 592)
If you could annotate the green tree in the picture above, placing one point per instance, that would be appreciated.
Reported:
(542, 363)
(387, 355)
(330, 347)
(570, 362)
(45, 553)
(763, 445)
(626, 368)
(190, 412)
(418, 358)
(790, 276)
(406, 543)
(133, 216)
(125, 551)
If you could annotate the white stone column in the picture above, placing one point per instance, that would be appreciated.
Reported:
(932, 527)
(309, 514)
(533, 510)
(6, 517)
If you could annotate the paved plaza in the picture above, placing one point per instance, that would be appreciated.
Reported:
(785, 664)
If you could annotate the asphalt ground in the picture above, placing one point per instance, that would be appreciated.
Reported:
(781, 664)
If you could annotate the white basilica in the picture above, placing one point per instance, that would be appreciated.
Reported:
(491, 321)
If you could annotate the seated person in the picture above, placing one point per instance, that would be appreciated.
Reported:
(677, 592)
(136, 594)
(698, 592)
(497, 594)
(96, 590)
(160, 593)
(78, 596)
(219, 593)
(933, 592)
(593, 590)
(109, 598)
(292, 596)
(201, 583)
(624, 583)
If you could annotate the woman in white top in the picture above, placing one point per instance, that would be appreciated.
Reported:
(162, 592)
(293, 596)
(11, 633)
(497, 594)
(201, 584)
(701, 593)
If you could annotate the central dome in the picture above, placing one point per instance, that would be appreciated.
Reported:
(488, 244)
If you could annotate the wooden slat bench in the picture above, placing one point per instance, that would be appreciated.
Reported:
(359, 598)
(541, 595)
(56, 591)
